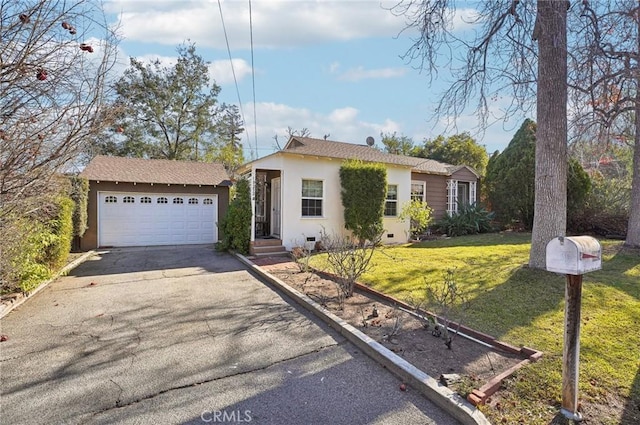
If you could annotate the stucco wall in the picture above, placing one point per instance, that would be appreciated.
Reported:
(90, 238)
(296, 228)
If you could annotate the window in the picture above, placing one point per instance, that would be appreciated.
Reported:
(110, 199)
(208, 201)
(145, 200)
(463, 194)
(391, 204)
(162, 200)
(312, 193)
(261, 196)
(128, 200)
(178, 201)
(193, 201)
(418, 191)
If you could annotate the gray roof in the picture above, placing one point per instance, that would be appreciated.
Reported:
(341, 150)
(160, 171)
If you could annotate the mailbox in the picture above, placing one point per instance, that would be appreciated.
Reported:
(574, 255)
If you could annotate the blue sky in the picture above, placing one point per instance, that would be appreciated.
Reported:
(333, 67)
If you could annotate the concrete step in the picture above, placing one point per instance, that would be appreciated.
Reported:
(269, 249)
(267, 242)
(283, 253)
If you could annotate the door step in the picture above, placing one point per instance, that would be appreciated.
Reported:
(267, 248)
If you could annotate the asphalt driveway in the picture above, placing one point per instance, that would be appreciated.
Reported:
(186, 335)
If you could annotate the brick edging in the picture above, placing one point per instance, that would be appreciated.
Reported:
(441, 395)
(480, 395)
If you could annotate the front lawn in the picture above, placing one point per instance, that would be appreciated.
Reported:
(526, 307)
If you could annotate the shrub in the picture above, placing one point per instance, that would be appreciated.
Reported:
(36, 243)
(419, 215)
(236, 224)
(364, 190)
(79, 193)
(469, 220)
(606, 208)
(61, 230)
(21, 263)
(347, 260)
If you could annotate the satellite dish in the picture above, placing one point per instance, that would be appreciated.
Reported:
(370, 141)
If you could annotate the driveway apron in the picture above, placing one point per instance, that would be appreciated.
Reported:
(185, 334)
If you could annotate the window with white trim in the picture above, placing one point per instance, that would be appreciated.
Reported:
(178, 201)
(110, 199)
(162, 200)
(463, 195)
(193, 201)
(391, 203)
(418, 191)
(207, 201)
(145, 200)
(128, 200)
(312, 196)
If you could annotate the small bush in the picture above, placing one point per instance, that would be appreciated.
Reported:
(24, 269)
(236, 224)
(61, 229)
(606, 208)
(79, 193)
(419, 215)
(469, 220)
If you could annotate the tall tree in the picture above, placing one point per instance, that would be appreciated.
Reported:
(52, 94)
(228, 146)
(459, 149)
(168, 112)
(397, 144)
(510, 180)
(550, 208)
(502, 57)
(607, 84)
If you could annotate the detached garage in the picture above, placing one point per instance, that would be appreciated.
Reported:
(139, 202)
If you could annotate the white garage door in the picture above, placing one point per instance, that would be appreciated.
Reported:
(139, 219)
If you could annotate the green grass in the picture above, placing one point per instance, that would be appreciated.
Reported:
(522, 306)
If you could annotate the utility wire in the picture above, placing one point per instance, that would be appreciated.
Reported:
(253, 81)
(233, 71)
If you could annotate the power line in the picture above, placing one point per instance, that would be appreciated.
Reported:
(253, 81)
(233, 71)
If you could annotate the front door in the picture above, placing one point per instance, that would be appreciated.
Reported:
(275, 207)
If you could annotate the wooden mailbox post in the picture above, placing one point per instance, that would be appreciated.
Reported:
(572, 256)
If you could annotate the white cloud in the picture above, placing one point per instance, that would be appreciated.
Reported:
(343, 115)
(359, 73)
(222, 73)
(219, 70)
(341, 124)
(276, 23)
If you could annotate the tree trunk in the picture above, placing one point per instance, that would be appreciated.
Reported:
(550, 208)
(633, 229)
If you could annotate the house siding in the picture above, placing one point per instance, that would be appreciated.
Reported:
(90, 238)
(465, 175)
(436, 195)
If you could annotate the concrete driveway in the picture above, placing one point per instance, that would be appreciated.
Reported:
(186, 335)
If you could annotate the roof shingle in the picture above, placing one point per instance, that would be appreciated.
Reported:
(160, 171)
(341, 150)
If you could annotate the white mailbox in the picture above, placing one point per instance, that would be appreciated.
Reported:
(574, 255)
